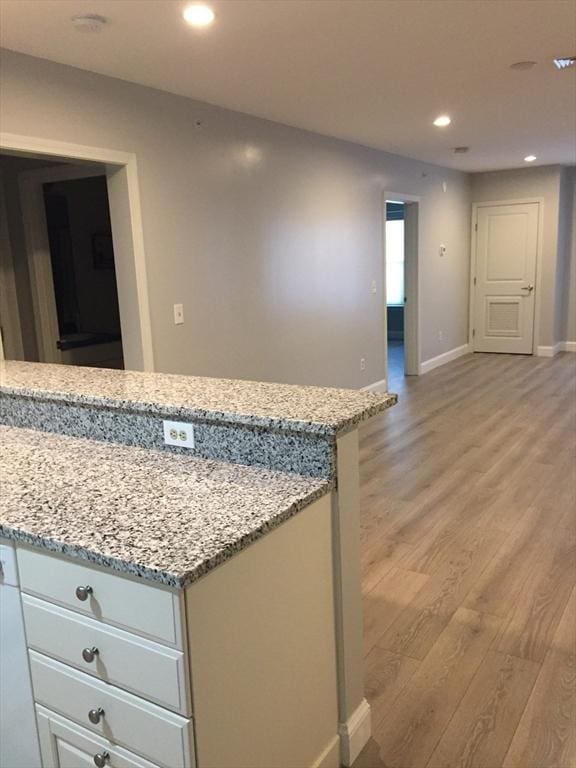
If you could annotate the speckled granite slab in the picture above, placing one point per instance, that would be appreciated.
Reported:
(284, 407)
(299, 452)
(163, 517)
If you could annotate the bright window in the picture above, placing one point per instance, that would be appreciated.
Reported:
(395, 263)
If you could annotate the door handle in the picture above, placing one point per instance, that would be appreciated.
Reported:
(528, 288)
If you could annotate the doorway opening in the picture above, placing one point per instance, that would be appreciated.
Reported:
(69, 298)
(395, 295)
(401, 259)
(83, 272)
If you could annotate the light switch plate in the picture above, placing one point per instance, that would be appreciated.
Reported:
(178, 433)
(178, 314)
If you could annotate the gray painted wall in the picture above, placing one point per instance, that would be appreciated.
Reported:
(567, 248)
(269, 235)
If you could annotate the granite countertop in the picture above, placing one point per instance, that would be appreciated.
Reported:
(160, 516)
(316, 410)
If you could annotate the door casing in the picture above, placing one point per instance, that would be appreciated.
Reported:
(127, 232)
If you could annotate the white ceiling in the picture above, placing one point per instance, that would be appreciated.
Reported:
(375, 72)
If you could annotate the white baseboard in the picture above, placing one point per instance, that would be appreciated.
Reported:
(355, 734)
(330, 757)
(377, 386)
(445, 357)
(560, 346)
(547, 351)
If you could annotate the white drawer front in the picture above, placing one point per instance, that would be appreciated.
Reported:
(135, 606)
(67, 745)
(143, 667)
(128, 721)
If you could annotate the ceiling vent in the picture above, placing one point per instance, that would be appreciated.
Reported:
(461, 150)
(565, 63)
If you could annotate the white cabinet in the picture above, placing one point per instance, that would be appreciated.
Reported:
(109, 666)
(18, 738)
(103, 595)
(127, 720)
(67, 745)
(138, 665)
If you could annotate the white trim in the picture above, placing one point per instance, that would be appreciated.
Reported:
(115, 161)
(330, 757)
(355, 734)
(548, 351)
(377, 386)
(568, 346)
(539, 263)
(445, 357)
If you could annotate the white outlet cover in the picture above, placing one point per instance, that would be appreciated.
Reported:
(178, 314)
(178, 433)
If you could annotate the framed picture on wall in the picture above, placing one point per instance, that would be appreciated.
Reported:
(102, 250)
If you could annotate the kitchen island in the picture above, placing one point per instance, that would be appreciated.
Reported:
(209, 596)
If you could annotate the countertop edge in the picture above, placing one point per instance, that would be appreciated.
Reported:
(145, 573)
(381, 404)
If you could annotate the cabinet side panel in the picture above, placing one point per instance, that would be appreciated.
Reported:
(262, 649)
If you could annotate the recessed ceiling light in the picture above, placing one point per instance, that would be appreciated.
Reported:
(90, 22)
(198, 15)
(442, 121)
(530, 158)
(568, 61)
(520, 65)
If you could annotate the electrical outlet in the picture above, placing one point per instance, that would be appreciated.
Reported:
(440, 335)
(362, 364)
(178, 433)
(373, 286)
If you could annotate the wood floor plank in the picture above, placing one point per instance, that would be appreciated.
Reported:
(478, 451)
(386, 600)
(481, 730)
(379, 559)
(541, 602)
(387, 674)
(499, 585)
(546, 735)
(410, 731)
(419, 625)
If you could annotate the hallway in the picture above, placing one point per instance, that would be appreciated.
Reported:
(468, 549)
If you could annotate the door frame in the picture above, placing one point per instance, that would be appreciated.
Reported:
(127, 232)
(473, 258)
(412, 364)
(10, 327)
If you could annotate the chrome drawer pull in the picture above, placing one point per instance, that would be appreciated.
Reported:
(95, 715)
(101, 758)
(83, 592)
(89, 654)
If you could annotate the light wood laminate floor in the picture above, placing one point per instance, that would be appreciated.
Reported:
(468, 505)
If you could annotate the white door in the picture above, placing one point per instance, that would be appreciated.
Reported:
(503, 300)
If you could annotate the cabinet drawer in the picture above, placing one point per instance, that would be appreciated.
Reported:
(143, 667)
(135, 606)
(127, 720)
(67, 745)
